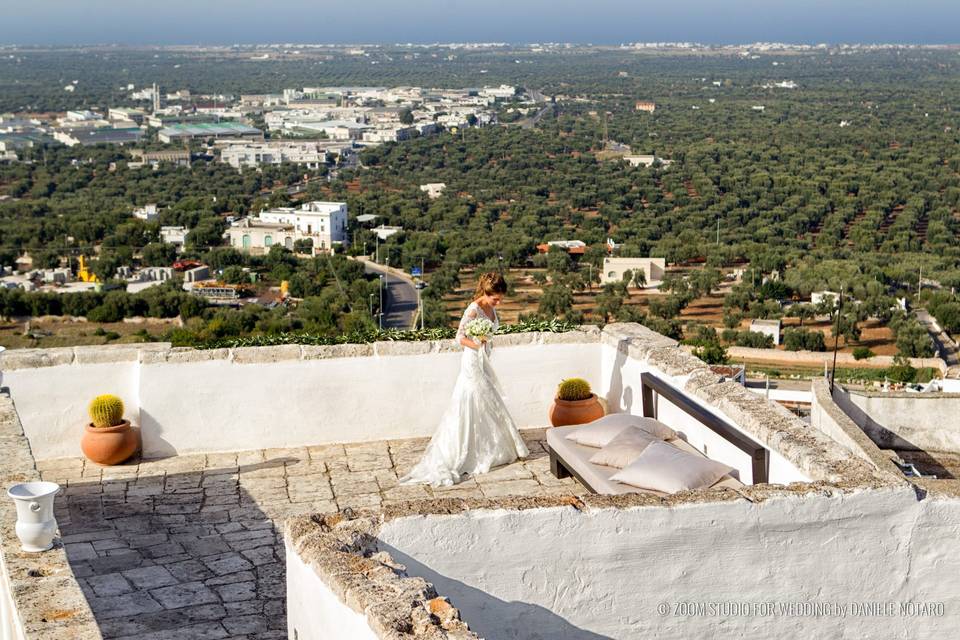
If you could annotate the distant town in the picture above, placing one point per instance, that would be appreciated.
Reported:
(310, 126)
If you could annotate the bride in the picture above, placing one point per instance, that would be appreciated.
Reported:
(476, 432)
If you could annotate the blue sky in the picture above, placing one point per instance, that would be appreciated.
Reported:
(597, 21)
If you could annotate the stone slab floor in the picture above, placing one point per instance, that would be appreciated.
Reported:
(189, 547)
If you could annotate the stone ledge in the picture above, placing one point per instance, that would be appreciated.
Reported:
(624, 334)
(107, 354)
(344, 555)
(402, 348)
(14, 359)
(865, 447)
(322, 352)
(264, 355)
(672, 360)
(585, 334)
(150, 353)
(817, 455)
(48, 600)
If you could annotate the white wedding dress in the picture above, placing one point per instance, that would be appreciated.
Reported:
(476, 432)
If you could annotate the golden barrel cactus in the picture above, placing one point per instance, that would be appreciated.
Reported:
(574, 389)
(106, 411)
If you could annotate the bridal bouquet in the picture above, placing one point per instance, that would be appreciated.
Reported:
(480, 329)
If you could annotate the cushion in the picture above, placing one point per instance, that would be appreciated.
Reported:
(601, 431)
(663, 467)
(623, 449)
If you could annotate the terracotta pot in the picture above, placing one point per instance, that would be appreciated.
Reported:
(567, 412)
(110, 445)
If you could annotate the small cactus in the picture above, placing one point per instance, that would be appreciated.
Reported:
(106, 411)
(574, 389)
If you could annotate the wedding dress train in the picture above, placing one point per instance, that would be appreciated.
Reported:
(476, 431)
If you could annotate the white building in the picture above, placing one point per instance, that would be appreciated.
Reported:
(148, 212)
(324, 223)
(433, 189)
(383, 231)
(174, 235)
(653, 269)
(567, 244)
(768, 328)
(646, 160)
(389, 133)
(502, 92)
(256, 154)
(82, 116)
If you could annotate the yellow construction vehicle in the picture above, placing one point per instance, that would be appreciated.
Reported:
(83, 273)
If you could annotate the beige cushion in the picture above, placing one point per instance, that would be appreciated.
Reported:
(663, 467)
(601, 431)
(577, 457)
(623, 449)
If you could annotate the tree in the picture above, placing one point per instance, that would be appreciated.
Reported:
(303, 245)
(610, 300)
(158, 254)
(803, 340)
(712, 353)
(913, 341)
(901, 371)
(802, 311)
(235, 275)
(406, 116)
(556, 301)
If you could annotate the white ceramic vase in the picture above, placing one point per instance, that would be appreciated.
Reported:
(36, 525)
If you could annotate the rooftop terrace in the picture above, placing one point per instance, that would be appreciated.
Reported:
(186, 542)
(191, 544)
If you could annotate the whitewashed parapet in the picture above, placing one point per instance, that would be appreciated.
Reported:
(344, 556)
(813, 452)
(14, 359)
(163, 352)
(829, 417)
(48, 602)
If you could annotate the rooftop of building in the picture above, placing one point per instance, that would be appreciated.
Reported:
(188, 536)
(209, 128)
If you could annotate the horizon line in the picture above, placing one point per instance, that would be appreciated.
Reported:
(488, 44)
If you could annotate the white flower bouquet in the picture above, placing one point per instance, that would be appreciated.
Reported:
(480, 329)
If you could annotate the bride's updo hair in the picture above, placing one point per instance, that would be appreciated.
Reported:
(490, 284)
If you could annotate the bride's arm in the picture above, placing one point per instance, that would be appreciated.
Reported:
(470, 314)
(469, 343)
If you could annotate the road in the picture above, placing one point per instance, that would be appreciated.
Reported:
(529, 123)
(399, 297)
(946, 347)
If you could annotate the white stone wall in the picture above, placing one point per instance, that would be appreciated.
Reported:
(563, 573)
(901, 420)
(314, 611)
(250, 398)
(622, 390)
(11, 627)
(52, 401)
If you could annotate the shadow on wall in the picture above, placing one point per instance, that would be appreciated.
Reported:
(152, 443)
(619, 400)
(491, 617)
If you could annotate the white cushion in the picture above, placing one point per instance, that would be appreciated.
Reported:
(601, 431)
(663, 467)
(624, 449)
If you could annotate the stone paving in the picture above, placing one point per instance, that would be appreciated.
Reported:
(189, 547)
